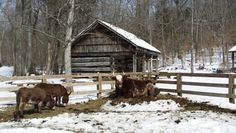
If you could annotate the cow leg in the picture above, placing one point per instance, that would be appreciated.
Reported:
(56, 100)
(40, 105)
(59, 100)
(36, 107)
(22, 106)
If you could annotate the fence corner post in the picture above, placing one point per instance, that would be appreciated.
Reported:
(179, 84)
(231, 91)
(99, 86)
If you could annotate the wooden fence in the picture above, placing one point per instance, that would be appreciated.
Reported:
(99, 80)
(179, 84)
(104, 78)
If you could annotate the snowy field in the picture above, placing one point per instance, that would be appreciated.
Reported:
(163, 116)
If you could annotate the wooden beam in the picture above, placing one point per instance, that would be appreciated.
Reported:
(151, 64)
(91, 69)
(90, 59)
(89, 64)
(135, 62)
(179, 85)
(144, 63)
(231, 90)
(232, 57)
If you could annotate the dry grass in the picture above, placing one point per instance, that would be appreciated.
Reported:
(94, 106)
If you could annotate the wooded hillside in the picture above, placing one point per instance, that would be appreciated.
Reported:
(33, 32)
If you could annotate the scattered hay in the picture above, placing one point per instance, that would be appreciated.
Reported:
(94, 106)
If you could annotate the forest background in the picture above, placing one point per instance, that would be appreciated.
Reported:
(33, 32)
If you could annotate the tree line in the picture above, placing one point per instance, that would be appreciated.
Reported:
(34, 33)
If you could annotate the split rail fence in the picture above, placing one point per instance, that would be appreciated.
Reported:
(160, 78)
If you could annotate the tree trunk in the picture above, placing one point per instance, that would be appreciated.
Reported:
(192, 40)
(1, 42)
(29, 51)
(68, 38)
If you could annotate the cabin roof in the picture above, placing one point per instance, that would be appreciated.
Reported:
(233, 49)
(130, 37)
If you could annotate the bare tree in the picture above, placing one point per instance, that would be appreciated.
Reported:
(68, 38)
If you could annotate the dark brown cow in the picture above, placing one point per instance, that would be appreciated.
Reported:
(129, 87)
(36, 96)
(56, 90)
(150, 90)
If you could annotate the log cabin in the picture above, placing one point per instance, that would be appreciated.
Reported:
(103, 47)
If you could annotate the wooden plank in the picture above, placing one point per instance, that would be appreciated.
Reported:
(179, 85)
(205, 93)
(89, 64)
(167, 90)
(8, 89)
(90, 92)
(7, 99)
(90, 59)
(205, 84)
(92, 69)
(99, 86)
(80, 84)
(215, 75)
(231, 90)
(166, 81)
(135, 62)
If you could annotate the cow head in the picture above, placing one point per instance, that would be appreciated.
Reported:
(118, 81)
(65, 98)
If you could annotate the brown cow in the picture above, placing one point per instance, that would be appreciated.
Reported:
(150, 90)
(34, 95)
(56, 90)
(129, 87)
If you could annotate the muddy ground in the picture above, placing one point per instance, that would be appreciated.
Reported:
(94, 106)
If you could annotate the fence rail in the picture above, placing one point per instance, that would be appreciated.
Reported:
(104, 78)
(179, 84)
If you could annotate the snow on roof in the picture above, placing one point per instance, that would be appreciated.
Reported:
(233, 49)
(130, 37)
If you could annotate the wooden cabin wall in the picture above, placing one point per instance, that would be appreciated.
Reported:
(91, 64)
(123, 64)
(100, 42)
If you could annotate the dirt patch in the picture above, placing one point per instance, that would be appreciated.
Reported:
(94, 106)
(90, 106)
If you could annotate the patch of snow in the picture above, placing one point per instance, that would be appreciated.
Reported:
(6, 71)
(32, 130)
(233, 49)
(160, 105)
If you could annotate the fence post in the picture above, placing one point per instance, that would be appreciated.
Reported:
(231, 89)
(99, 86)
(179, 84)
(44, 80)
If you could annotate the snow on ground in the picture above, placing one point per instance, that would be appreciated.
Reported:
(131, 118)
(6, 71)
(160, 105)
